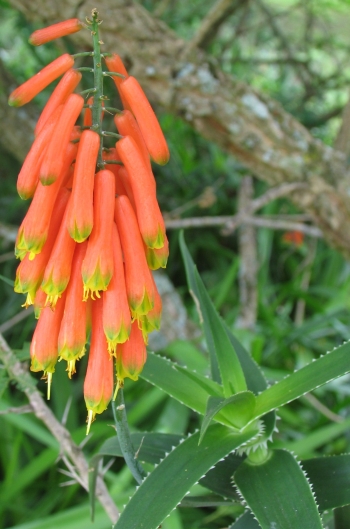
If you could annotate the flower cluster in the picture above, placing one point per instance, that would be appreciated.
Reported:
(93, 231)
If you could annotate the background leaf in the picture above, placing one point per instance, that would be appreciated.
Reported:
(278, 492)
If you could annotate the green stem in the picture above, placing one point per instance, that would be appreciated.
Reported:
(83, 54)
(98, 82)
(113, 74)
(124, 437)
(112, 134)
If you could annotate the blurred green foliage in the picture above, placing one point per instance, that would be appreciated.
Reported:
(308, 71)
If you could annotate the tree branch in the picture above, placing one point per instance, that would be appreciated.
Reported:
(251, 126)
(40, 409)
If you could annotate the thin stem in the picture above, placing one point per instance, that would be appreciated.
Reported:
(115, 74)
(98, 82)
(84, 69)
(88, 91)
(113, 109)
(83, 54)
(124, 437)
(112, 134)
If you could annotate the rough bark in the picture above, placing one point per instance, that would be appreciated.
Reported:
(250, 125)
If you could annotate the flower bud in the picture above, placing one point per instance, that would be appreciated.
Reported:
(80, 212)
(73, 332)
(28, 177)
(33, 231)
(97, 268)
(131, 356)
(44, 348)
(116, 312)
(115, 64)
(28, 90)
(98, 384)
(59, 96)
(30, 272)
(43, 35)
(54, 155)
(138, 280)
(58, 269)
(149, 217)
(137, 100)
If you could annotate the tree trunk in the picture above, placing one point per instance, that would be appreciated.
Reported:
(250, 125)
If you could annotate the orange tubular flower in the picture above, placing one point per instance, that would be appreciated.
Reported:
(127, 126)
(98, 384)
(39, 302)
(97, 268)
(149, 217)
(151, 321)
(54, 156)
(43, 35)
(156, 144)
(115, 64)
(33, 231)
(29, 174)
(65, 87)
(131, 356)
(111, 154)
(28, 90)
(139, 285)
(157, 258)
(58, 268)
(73, 331)
(43, 349)
(125, 179)
(30, 272)
(80, 215)
(116, 312)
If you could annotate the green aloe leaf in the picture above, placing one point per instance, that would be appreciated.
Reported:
(150, 447)
(278, 492)
(342, 518)
(247, 521)
(330, 478)
(239, 410)
(211, 500)
(164, 374)
(222, 353)
(323, 370)
(170, 481)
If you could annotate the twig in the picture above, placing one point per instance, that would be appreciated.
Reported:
(211, 23)
(8, 256)
(315, 403)
(232, 222)
(18, 410)
(275, 224)
(248, 296)
(7, 325)
(44, 413)
(305, 281)
(342, 142)
(9, 233)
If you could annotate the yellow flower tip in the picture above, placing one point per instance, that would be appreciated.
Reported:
(112, 347)
(51, 300)
(32, 256)
(140, 309)
(71, 367)
(156, 242)
(79, 235)
(20, 253)
(49, 381)
(90, 419)
(29, 300)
